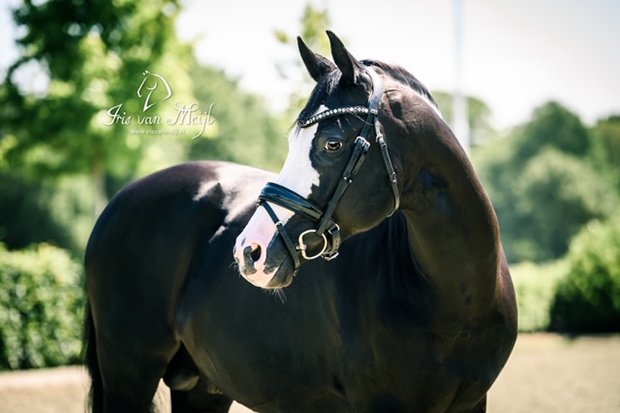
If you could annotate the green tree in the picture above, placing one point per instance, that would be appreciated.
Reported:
(479, 117)
(553, 125)
(557, 195)
(93, 54)
(242, 130)
(543, 184)
(607, 147)
(24, 214)
(313, 24)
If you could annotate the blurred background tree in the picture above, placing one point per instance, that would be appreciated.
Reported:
(545, 184)
(243, 131)
(313, 24)
(479, 117)
(92, 56)
(606, 147)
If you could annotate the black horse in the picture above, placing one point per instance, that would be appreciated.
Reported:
(412, 309)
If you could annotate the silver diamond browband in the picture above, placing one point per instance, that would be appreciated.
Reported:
(330, 113)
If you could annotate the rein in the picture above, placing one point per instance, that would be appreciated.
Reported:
(327, 229)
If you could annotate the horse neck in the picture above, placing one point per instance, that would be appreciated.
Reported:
(452, 228)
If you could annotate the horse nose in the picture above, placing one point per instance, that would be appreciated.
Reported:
(252, 254)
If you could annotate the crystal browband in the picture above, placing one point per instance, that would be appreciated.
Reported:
(331, 113)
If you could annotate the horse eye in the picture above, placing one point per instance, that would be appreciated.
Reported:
(333, 145)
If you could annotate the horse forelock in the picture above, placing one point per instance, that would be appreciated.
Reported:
(324, 87)
(327, 85)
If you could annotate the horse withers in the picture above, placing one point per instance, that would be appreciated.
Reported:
(398, 297)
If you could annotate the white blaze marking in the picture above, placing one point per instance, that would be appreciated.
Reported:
(298, 175)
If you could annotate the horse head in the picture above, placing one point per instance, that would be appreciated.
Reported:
(339, 177)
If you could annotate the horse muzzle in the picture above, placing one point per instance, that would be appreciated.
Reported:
(261, 257)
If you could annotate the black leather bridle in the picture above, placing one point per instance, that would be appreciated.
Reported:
(327, 229)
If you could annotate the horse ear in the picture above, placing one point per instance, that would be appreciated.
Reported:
(317, 65)
(348, 65)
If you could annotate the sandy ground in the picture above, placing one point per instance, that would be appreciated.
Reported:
(546, 373)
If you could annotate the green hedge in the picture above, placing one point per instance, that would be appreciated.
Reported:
(41, 304)
(535, 285)
(588, 298)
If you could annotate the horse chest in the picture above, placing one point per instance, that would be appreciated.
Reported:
(314, 368)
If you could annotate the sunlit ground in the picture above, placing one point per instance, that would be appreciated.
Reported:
(546, 373)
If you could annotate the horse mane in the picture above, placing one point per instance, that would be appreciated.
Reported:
(401, 75)
(398, 73)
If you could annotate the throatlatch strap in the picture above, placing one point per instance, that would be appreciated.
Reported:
(389, 167)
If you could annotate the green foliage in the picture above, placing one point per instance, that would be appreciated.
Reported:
(557, 195)
(535, 285)
(554, 126)
(607, 148)
(243, 131)
(58, 212)
(93, 55)
(24, 216)
(543, 184)
(40, 305)
(71, 203)
(479, 116)
(313, 24)
(588, 299)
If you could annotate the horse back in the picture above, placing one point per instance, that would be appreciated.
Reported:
(142, 245)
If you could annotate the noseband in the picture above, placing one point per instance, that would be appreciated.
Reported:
(328, 230)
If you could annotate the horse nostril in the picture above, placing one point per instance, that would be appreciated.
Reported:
(252, 253)
(256, 252)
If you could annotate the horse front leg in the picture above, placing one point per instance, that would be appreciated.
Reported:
(130, 378)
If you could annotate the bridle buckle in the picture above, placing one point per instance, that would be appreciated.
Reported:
(302, 247)
(330, 256)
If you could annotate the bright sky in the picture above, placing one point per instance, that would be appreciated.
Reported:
(517, 54)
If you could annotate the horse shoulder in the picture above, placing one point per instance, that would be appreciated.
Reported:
(148, 235)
